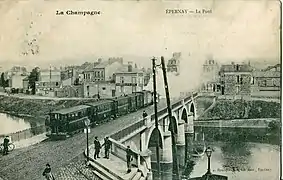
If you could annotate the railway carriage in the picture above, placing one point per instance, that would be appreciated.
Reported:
(67, 121)
(101, 111)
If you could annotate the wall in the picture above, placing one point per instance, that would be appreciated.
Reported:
(132, 82)
(233, 86)
(104, 89)
(16, 81)
(44, 76)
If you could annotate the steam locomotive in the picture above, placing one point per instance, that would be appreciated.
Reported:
(66, 122)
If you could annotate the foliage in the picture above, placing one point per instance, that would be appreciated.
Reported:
(33, 78)
(274, 127)
(240, 109)
(4, 83)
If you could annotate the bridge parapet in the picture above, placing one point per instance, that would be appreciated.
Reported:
(141, 159)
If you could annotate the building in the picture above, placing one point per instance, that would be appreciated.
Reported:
(49, 82)
(128, 80)
(266, 82)
(173, 64)
(98, 90)
(235, 79)
(210, 76)
(103, 71)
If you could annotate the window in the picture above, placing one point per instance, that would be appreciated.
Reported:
(57, 83)
(134, 88)
(43, 84)
(122, 80)
(241, 80)
(264, 82)
(237, 67)
(103, 88)
(101, 73)
(122, 89)
(98, 74)
(134, 80)
(238, 79)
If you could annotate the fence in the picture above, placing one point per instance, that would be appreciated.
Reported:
(27, 133)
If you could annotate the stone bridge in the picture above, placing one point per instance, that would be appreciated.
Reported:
(141, 136)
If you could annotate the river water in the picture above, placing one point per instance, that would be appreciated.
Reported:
(11, 124)
(239, 160)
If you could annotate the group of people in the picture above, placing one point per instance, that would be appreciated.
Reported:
(97, 146)
(107, 146)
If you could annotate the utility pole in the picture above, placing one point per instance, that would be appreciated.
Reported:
(173, 133)
(155, 115)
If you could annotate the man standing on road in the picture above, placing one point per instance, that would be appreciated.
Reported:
(97, 147)
(129, 158)
(107, 146)
(47, 173)
(5, 144)
(144, 114)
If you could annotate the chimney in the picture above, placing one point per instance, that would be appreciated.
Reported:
(130, 67)
(99, 60)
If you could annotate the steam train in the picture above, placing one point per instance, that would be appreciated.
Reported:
(66, 122)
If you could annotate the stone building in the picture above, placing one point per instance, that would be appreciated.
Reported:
(210, 76)
(173, 64)
(235, 79)
(101, 89)
(103, 71)
(266, 82)
(128, 80)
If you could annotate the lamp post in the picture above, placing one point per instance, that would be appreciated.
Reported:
(208, 153)
(87, 122)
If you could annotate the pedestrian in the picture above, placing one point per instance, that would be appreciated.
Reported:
(97, 147)
(6, 144)
(129, 158)
(144, 114)
(47, 173)
(107, 146)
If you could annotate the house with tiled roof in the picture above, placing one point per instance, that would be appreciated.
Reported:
(128, 79)
(266, 82)
(235, 79)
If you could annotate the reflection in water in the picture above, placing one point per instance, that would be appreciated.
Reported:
(237, 159)
(10, 124)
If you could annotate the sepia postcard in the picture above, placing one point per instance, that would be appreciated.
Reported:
(140, 90)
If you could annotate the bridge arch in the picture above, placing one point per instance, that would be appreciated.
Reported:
(184, 114)
(174, 125)
(192, 109)
(152, 137)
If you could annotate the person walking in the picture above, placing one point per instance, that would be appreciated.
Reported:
(107, 146)
(97, 147)
(144, 114)
(6, 144)
(129, 158)
(47, 173)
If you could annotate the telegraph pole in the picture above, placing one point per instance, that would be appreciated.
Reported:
(155, 115)
(173, 133)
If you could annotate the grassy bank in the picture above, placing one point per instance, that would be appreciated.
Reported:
(241, 109)
(35, 107)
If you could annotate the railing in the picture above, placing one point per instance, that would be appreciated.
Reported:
(128, 130)
(119, 150)
(25, 134)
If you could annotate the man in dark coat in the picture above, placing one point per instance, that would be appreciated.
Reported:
(129, 158)
(97, 147)
(5, 144)
(47, 173)
(107, 146)
(144, 114)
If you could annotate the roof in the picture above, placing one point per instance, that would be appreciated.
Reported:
(233, 68)
(103, 64)
(99, 102)
(271, 67)
(70, 110)
(124, 69)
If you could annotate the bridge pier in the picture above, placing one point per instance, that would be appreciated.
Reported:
(181, 133)
(189, 134)
(166, 155)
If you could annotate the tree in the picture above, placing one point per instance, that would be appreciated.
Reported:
(33, 78)
(2, 81)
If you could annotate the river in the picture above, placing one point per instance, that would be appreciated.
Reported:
(237, 159)
(10, 124)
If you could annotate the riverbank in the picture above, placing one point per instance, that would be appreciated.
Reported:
(242, 109)
(39, 108)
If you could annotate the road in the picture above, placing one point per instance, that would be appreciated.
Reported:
(28, 163)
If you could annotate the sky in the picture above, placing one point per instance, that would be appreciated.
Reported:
(138, 30)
